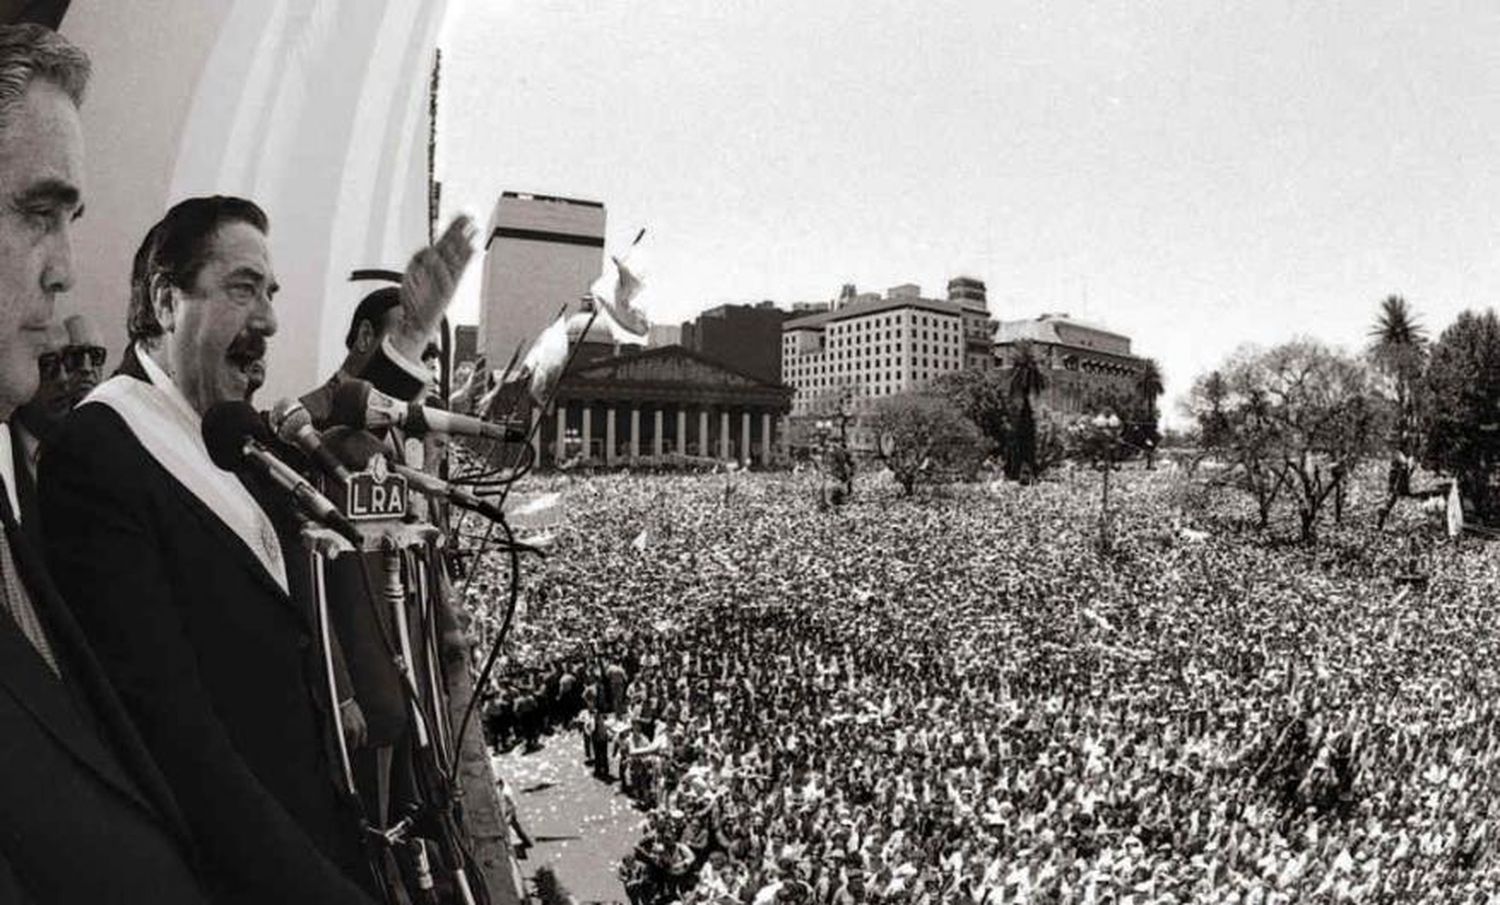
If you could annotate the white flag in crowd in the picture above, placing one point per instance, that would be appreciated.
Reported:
(546, 358)
(1455, 511)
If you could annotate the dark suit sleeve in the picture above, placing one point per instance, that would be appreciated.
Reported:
(107, 559)
(11, 892)
(393, 375)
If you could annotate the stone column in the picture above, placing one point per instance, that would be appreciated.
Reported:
(745, 437)
(588, 430)
(703, 447)
(560, 441)
(765, 438)
(609, 435)
(682, 447)
(635, 433)
(724, 448)
(656, 435)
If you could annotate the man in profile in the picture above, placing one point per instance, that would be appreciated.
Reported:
(185, 576)
(85, 815)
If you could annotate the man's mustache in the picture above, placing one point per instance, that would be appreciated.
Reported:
(246, 349)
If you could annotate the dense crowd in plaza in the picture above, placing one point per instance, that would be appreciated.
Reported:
(961, 698)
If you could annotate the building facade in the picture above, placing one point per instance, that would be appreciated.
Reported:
(659, 335)
(747, 338)
(465, 344)
(541, 253)
(867, 347)
(1079, 358)
(662, 406)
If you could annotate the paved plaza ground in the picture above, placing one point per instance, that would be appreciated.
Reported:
(582, 826)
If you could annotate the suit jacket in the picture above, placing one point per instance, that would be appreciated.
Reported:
(85, 815)
(216, 662)
(364, 632)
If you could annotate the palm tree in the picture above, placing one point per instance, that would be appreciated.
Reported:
(1149, 385)
(1398, 348)
(1027, 379)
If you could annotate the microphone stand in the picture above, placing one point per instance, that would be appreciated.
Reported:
(323, 545)
(402, 548)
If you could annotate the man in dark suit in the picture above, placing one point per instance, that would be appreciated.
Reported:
(186, 579)
(68, 370)
(85, 815)
(380, 350)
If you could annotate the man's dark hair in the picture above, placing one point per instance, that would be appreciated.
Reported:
(372, 309)
(176, 248)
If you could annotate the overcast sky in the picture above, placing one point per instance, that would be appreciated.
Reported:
(1192, 174)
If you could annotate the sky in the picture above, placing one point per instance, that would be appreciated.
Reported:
(1193, 175)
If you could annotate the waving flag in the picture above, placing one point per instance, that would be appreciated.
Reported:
(626, 323)
(1455, 511)
(546, 358)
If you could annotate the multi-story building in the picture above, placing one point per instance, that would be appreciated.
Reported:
(867, 347)
(465, 343)
(979, 329)
(542, 253)
(745, 337)
(1078, 358)
(659, 335)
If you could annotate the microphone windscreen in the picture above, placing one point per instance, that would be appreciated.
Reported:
(352, 446)
(226, 427)
(351, 403)
(290, 423)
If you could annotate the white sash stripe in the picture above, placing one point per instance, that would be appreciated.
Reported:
(171, 432)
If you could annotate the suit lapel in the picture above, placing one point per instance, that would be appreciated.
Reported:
(230, 540)
(35, 687)
(130, 366)
(79, 666)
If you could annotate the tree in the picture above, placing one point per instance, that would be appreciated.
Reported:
(1146, 432)
(1326, 418)
(1300, 416)
(1135, 412)
(1233, 422)
(983, 397)
(1213, 419)
(828, 436)
(1398, 351)
(1460, 405)
(924, 437)
(1027, 379)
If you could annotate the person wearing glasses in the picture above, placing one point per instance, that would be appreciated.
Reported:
(68, 370)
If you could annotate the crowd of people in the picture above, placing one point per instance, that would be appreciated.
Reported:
(964, 698)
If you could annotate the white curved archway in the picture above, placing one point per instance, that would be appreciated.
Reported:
(316, 109)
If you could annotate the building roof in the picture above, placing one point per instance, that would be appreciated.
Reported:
(870, 306)
(1044, 329)
(533, 196)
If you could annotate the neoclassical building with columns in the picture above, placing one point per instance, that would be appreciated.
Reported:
(658, 405)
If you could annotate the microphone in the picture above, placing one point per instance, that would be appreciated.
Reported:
(355, 447)
(235, 434)
(357, 404)
(436, 487)
(293, 426)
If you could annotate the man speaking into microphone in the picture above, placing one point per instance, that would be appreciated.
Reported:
(189, 578)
